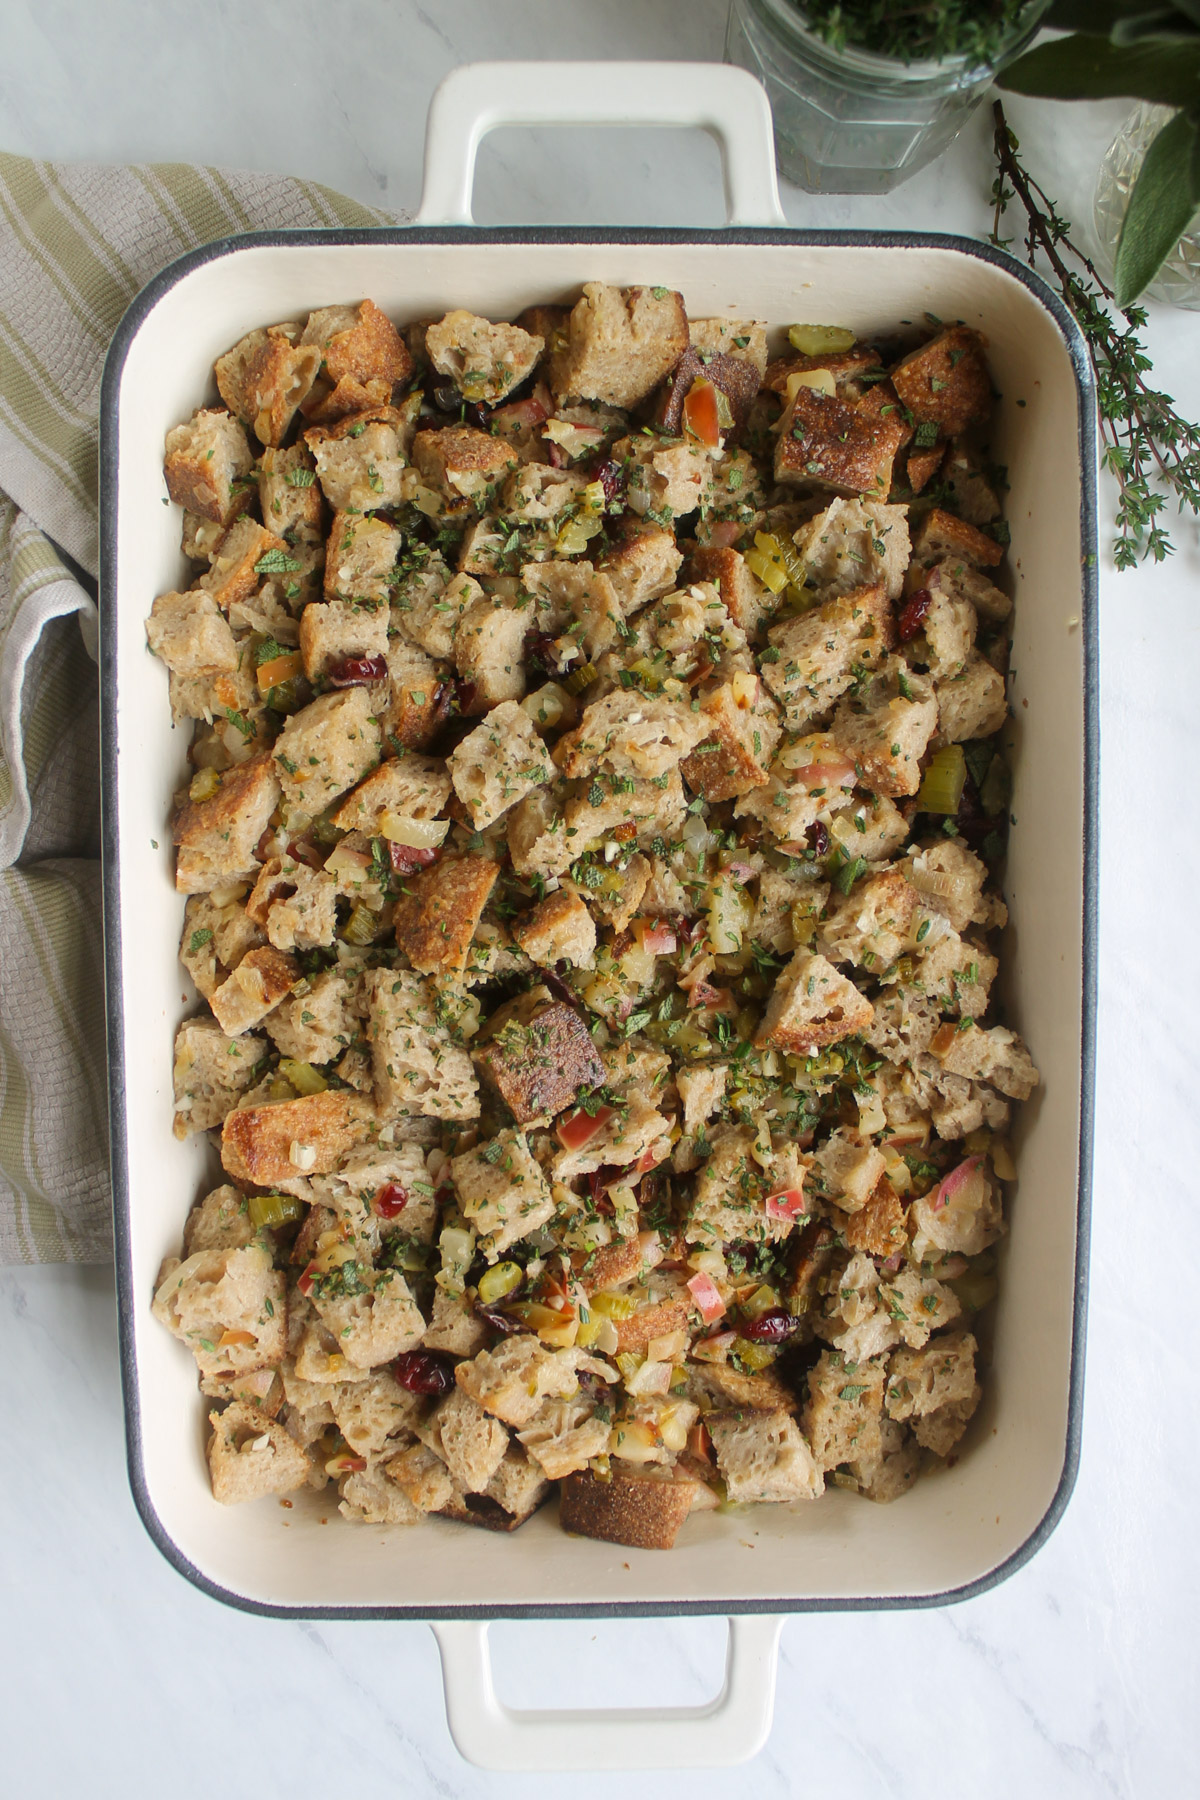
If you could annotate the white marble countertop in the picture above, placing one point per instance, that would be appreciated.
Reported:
(1078, 1676)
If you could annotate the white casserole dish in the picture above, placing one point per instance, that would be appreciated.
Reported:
(958, 1532)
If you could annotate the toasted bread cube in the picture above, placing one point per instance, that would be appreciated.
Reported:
(330, 401)
(484, 361)
(955, 975)
(201, 536)
(261, 980)
(264, 378)
(428, 604)
(288, 492)
(412, 786)
(846, 366)
(263, 1145)
(462, 461)
(453, 1326)
(747, 601)
(946, 381)
(325, 748)
(854, 544)
(251, 1455)
(498, 763)
(502, 1190)
(537, 1054)
(370, 1312)
(295, 905)
(870, 926)
(373, 1409)
(488, 653)
(632, 1507)
(331, 630)
(941, 1430)
(565, 1435)
(734, 759)
(885, 728)
(360, 557)
(228, 1306)
(359, 343)
(537, 840)
(635, 1130)
(763, 1457)
(419, 701)
(732, 1188)
(973, 703)
(417, 1069)
(786, 911)
(812, 1005)
(844, 1410)
(641, 565)
(211, 1073)
(472, 1442)
(518, 1485)
(893, 1470)
(878, 1227)
(950, 879)
(942, 1374)
(218, 838)
(513, 1380)
(559, 929)
(668, 478)
(190, 634)
(439, 908)
(316, 1026)
(661, 1318)
(963, 1221)
(610, 803)
(422, 1477)
(235, 573)
(943, 537)
(819, 652)
(207, 463)
(575, 597)
(620, 343)
(215, 939)
(918, 1305)
(537, 493)
(631, 733)
(221, 1221)
(211, 696)
(964, 583)
(948, 628)
(997, 1056)
(742, 338)
(360, 462)
(369, 1497)
(847, 1169)
(923, 465)
(826, 443)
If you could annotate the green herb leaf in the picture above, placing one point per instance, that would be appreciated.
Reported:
(276, 562)
(1163, 71)
(1160, 207)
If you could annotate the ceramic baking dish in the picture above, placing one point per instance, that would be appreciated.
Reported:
(959, 1531)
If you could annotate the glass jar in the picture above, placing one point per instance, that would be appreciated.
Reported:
(848, 121)
(1178, 281)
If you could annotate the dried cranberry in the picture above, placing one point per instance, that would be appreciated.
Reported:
(541, 649)
(558, 987)
(423, 1372)
(912, 614)
(358, 671)
(499, 1321)
(465, 694)
(611, 477)
(406, 857)
(477, 415)
(390, 1200)
(772, 1327)
(817, 838)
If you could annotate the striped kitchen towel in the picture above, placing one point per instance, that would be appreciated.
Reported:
(76, 244)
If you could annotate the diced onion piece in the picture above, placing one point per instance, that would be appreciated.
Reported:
(651, 1378)
(278, 670)
(548, 706)
(943, 782)
(633, 1441)
(896, 1169)
(302, 1156)
(707, 1297)
(819, 380)
(730, 911)
(820, 340)
(871, 1114)
(303, 1077)
(457, 1247)
(787, 1203)
(745, 687)
(268, 1210)
(1002, 1160)
(427, 501)
(344, 859)
(625, 1208)
(418, 834)
(668, 1349)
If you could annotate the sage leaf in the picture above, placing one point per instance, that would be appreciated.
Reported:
(1165, 71)
(1160, 208)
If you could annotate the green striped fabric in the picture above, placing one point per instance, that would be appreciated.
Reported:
(76, 244)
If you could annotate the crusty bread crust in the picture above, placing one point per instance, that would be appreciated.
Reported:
(257, 1141)
(626, 1509)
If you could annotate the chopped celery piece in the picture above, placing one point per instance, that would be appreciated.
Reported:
(268, 1210)
(943, 782)
(496, 1282)
(303, 1077)
(613, 1306)
(820, 340)
(764, 569)
(361, 926)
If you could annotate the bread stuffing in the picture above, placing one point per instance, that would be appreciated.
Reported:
(590, 863)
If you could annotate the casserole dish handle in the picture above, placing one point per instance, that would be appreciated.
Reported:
(476, 98)
(729, 1729)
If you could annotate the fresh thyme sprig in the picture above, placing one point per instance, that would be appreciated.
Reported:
(1151, 449)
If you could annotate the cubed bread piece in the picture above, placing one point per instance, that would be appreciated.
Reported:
(609, 804)
(566, 1435)
(632, 734)
(870, 927)
(317, 1025)
(732, 1188)
(747, 601)
(288, 492)
(250, 1456)
(370, 1497)
(701, 1090)
(264, 378)
(941, 1430)
(226, 696)
(498, 763)
(735, 378)
(360, 463)
(244, 555)
(620, 899)
(262, 1145)
(207, 464)
(631, 1507)
(847, 1169)
(878, 1227)
(518, 1485)
(296, 906)
(620, 343)
(893, 1470)
(512, 1380)
(537, 1054)
(218, 838)
(420, 699)
(200, 536)
(954, 975)
(949, 878)
(826, 443)
(369, 1410)
(261, 980)
(576, 599)
(744, 729)
(417, 1067)
(813, 659)
(260, 1388)
(855, 543)
(797, 792)
(537, 840)
(763, 1457)
(472, 1442)
(786, 911)
(844, 1410)
(941, 536)
(458, 460)
(326, 747)
(642, 565)
(488, 653)
(663, 478)
(962, 581)
(328, 402)
(211, 1073)
(942, 1374)
(364, 1179)
(427, 604)
(370, 1312)
(846, 366)
(190, 634)
(973, 703)
(745, 339)
(228, 1306)
(453, 1326)
(812, 1005)
(422, 1477)
(221, 1221)
(636, 1129)
(359, 343)
(922, 465)
(360, 557)
(502, 1190)
(659, 1318)
(412, 787)
(720, 1387)
(919, 1306)
(946, 381)
(884, 727)
(439, 908)
(810, 1254)
(537, 493)
(484, 361)
(997, 1056)
(559, 929)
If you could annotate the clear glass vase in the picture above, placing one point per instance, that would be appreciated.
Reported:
(1178, 281)
(849, 121)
